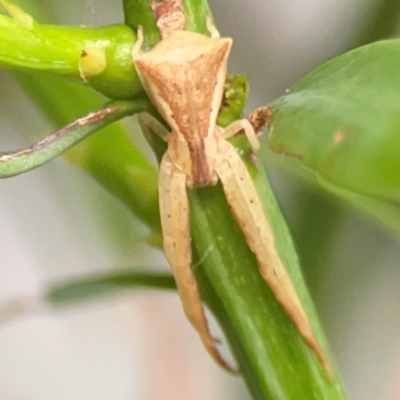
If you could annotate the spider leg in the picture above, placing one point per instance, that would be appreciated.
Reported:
(139, 42)
(148, 122)
(212, 28)
(174, 211)
(243, 199)
(243, 125)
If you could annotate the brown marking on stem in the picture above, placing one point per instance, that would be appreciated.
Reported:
(170, 16)
(163, 7)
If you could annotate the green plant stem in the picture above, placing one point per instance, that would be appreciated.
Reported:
(139, 13)
(59, 50)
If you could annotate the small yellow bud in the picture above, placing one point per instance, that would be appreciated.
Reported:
(92, 62)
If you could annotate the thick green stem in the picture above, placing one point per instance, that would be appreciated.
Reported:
(98, 57)
(139, 13)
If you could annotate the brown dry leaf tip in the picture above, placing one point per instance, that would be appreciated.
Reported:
(170, 16)
(259, 118)
(339, 136)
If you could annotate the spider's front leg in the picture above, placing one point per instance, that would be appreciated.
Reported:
(242, 196)
(175, 222)
(243, 125)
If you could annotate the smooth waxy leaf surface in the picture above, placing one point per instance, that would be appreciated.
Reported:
(342, 122)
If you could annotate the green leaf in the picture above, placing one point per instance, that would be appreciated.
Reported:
(341, 122)
(92, 287)
(83, 289)
(24, 160)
